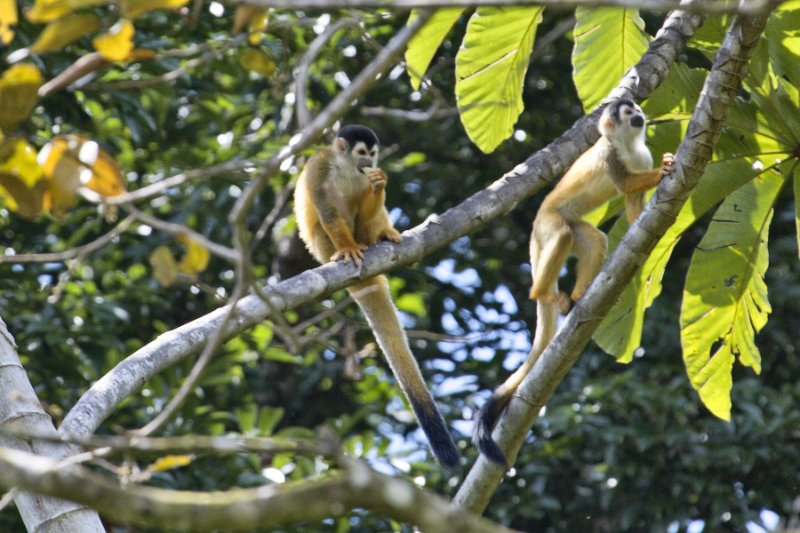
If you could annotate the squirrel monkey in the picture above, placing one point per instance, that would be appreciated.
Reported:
(618, 163)
(339, 202)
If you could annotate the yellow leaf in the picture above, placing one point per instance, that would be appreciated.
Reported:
(116, 45)
(19, 158)
(134, 8)
(258, 23)
(107, 179)
(196, 258)
(257, 61)
(72, 161)
(165, 269)
(24, 200)
(168, 462)
(244, 14)
(64, 31)
(18, 94)
(49, 10)
(8, 18)
(63, 171)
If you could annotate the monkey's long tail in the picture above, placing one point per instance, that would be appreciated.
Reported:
(546, 320)
(375, 301)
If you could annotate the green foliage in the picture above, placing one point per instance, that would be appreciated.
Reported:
(608, 41)
(490, 71)
(725, 300)
(423, 45)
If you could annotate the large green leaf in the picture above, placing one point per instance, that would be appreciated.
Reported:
(608, 41)
(490, 71)
(424, 44)
(725, 299)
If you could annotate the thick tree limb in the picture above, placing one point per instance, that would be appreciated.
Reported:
(717, 96)
(20, 411)
(437, 231)
(269, 506)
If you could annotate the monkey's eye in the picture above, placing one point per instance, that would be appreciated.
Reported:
(361, 151)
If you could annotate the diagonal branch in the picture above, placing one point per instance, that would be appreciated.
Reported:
(693, 154)
(437, 231)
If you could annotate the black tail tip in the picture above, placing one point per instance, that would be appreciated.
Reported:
(482, 434)
(441, 443)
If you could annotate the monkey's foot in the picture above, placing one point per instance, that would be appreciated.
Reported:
(390, 234)
(350, 253)
(564, 303)
(667, 162)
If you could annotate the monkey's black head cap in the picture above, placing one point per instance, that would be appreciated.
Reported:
(355, 133)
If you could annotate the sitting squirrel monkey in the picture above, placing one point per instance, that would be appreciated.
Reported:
(339, 202)
(618, 163)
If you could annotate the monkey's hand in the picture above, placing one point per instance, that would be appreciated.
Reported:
(390, 234)
(667, 162)
(377, 179)
(350, 253)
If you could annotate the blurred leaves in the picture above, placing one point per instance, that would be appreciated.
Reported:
(8, 18)
(18, 87)
(64, 31)
(117, 44)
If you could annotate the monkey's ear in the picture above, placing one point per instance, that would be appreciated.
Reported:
(341, 145)
(607, 125)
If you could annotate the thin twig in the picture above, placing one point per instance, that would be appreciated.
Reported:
(179, 229)
(303, 66)
(72, 253)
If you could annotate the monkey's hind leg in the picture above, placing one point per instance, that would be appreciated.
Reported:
(589, 246)
(553, 242)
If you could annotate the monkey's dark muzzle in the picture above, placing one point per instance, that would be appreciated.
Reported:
(364, 162)
(637, 121)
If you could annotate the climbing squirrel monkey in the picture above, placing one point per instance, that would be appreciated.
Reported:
(339, 202)
(619, 163)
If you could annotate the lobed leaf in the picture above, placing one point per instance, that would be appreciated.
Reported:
(490, 71)
(608, 41)
(423, 46)
(725, 299)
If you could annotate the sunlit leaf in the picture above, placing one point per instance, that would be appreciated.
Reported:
(116, 45)
(423, 46)
(257, 61)
(725, 299)
(195, 260)
(255, 18)
(412, 303)
(608, 41)
(169, 462)
(165, 268)
(134, 8)
(18, 197)
(8, 18)
(49, 10)
(18, 94)
(490, 71)
(72, 161)
(64, 31)
(18, 157)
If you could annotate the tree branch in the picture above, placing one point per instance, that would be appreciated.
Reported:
(693, 154)
(661, 6)
(356, 487)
